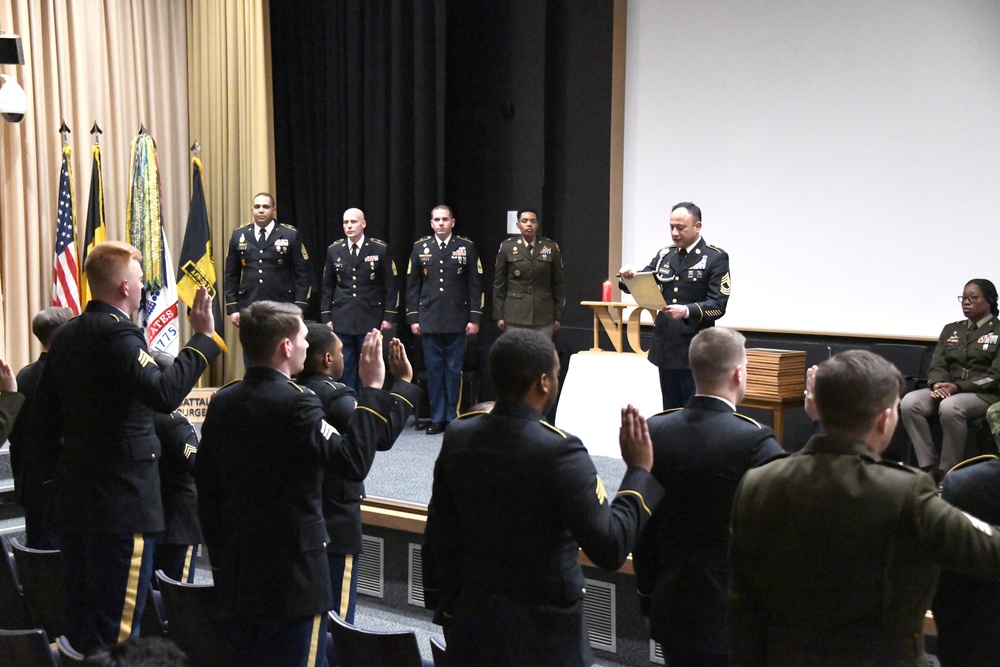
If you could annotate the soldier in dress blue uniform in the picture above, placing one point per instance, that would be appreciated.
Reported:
(963, 380)
(265, 446)
(694, 279)
(701, 452)
(514, 499)
(967, 608)
(266, 261)
(528, 286)
(176, 548)
(360, 292)
(344, 489)
(99, 390)
(444, 302)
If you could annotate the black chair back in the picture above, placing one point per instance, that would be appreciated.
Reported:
(26, 648)
(438, 652)
(40, 574)
(13, 614)
(354, 647)
(67, 654)
(194, 620)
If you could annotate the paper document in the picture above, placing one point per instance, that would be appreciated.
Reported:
(645, 290)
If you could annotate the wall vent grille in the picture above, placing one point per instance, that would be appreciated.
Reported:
(599, 608)
(371, 567)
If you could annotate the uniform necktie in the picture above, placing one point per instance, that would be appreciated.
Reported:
(354, 250)
(262, 235)
(443, 245)
(531, 250)
(683, 253)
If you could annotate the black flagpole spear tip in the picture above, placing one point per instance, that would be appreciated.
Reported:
(96, 129)
(142, 129)
(196, 148)
(63, 129)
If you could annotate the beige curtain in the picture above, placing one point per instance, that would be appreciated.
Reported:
(229, 84)
(124, 63)
(119, 63)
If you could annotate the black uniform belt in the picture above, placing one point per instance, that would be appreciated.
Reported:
(527, 289)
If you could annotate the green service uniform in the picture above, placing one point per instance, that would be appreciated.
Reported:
(835, 555)
(528, 287)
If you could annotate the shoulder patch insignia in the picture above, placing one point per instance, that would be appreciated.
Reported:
(727, 284)
(305, 253)
(409, 267)
(299, 387)
(145, 359)
(287, 226)
(464, 238)
(479, 265)
(189, 450)
(551, 427)
(749, 419)
(379, 242)
(421, 240)
(337, 243)
(714, 247)
(602, 495)
(392, 263)
(327, 430)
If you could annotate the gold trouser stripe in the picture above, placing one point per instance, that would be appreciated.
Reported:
(461, 387)
(132, 589)
(345, 585)
(314, 640)
(188, 560)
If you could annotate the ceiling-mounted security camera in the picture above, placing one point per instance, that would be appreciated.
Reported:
(13, 101)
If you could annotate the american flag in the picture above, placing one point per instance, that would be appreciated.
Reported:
(65, 269)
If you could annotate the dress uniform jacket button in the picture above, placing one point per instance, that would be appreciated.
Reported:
(441, 289)
(674, 301)
(261, 282)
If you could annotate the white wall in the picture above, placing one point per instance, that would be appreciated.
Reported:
(845, 153)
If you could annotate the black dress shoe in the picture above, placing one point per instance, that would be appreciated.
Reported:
(435, 428)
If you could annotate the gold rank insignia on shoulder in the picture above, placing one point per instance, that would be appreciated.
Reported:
(287, 226)
(393, 264)
(479, 265)
(600, 492)
(327, 430)
(305, 253)
(145, 359)
(727, 285)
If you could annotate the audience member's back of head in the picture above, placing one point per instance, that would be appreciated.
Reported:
(107, 263)
(46, 322)
(319, 338)
(713, 355)
(138, 652)
(518, 358)
(263, 324)
(852, 388)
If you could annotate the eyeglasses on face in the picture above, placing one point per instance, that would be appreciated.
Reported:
(970, 299)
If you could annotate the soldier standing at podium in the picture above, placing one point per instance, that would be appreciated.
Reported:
(694, 279)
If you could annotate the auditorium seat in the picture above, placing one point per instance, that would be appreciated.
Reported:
(438, 651)
(194, 621)
(353, 647)
(26, 648)
(67, 654)
(13, 614)
(40, 574)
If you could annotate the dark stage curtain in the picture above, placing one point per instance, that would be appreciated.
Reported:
(358, 119)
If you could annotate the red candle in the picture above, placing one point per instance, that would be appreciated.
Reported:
(606, 291)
